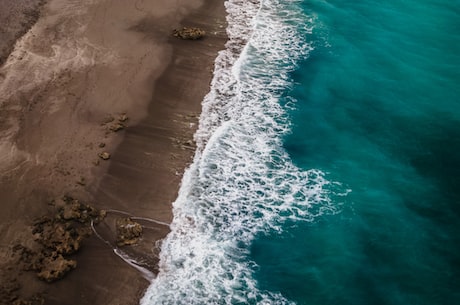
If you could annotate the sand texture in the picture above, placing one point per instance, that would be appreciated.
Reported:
(93, 77)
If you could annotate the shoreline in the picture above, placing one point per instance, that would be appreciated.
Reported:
(148, 157)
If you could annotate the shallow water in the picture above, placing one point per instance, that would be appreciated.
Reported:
(327, 166)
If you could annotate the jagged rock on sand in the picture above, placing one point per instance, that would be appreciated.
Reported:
(57, 237)
(75, 210)
(189, 33)
(62, 238)
(104, 155)
(128, 231)
(55, 268)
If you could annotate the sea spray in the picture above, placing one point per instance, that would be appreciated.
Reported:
(242, 182)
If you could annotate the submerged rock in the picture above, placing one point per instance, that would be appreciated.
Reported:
(128, 231)
(189, 33)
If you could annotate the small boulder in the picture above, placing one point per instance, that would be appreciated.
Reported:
(128, 231)
(104, 155)
(54, 268)
(189, 33)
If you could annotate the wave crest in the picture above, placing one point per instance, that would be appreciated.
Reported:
(242, 182)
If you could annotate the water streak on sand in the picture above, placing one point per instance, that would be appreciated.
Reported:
(147, 274)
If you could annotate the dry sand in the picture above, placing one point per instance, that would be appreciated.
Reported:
(81, 64)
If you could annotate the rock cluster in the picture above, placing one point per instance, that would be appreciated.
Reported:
(128, 231)
(112, 125)
(57, 238)
(116, 125)
(189, 33)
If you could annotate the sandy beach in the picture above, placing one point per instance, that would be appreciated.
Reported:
(82, 68)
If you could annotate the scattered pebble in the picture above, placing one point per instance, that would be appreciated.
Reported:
(104, 155)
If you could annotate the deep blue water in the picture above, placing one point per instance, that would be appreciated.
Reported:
(378, 110)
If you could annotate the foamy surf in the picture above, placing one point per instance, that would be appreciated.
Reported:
(242, 182)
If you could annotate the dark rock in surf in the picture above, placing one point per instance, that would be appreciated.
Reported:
(128, 231)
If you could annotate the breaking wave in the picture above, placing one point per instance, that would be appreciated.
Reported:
(242, 182)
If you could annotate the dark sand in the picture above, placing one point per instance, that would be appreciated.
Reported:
(79, 64)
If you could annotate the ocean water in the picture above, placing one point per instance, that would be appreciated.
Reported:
(328, 165)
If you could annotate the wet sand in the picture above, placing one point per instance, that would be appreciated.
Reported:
(80, 65)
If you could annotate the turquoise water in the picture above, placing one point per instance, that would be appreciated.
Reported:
(378, 110)
(326, 169)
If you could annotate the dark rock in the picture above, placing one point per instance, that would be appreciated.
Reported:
(74, 210)
(104, 155)
(128, 231)
(58, 237)
(61, 238)
(189, 33)
(54, 268)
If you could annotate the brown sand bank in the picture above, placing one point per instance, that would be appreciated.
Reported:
(83, 63)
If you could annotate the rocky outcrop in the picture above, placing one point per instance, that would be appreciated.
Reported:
(128, 231)
(54, 268)
(77, 211)
(57, 237)
(189, 33)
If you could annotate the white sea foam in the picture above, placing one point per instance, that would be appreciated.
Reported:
(242, 182)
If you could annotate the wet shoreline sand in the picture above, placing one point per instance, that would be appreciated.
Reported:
(53, 128)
